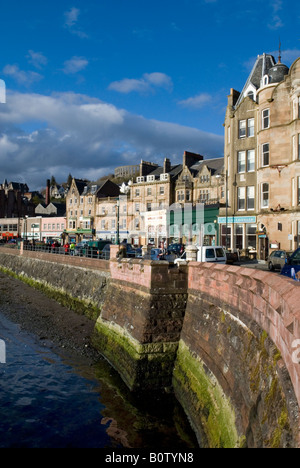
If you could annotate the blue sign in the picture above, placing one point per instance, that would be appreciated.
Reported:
(237, 219)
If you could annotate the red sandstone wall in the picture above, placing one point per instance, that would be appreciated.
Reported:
(273, 301)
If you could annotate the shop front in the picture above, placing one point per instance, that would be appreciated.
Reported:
(239, 234)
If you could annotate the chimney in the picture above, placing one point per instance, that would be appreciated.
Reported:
(167, 166)
(189, 159)
(48, 192)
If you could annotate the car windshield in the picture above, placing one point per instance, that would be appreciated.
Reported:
(210, 253)
(219, 253)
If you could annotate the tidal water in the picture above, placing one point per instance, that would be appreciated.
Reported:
(51, 400)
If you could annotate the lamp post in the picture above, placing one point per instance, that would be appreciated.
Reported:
(225, 176)
(118, 222)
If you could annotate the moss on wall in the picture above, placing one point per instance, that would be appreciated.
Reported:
(145, 367)
(208, 402)
(80, 306)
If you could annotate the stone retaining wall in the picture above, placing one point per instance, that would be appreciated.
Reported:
(234, 372)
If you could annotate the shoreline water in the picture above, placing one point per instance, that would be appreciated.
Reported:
(128, 422)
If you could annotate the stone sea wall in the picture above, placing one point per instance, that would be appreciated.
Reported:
(220, 337)
(234, 374)
(63, 279)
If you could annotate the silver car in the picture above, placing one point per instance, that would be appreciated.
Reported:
(277, 260)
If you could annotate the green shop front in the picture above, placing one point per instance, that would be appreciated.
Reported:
(196, 225)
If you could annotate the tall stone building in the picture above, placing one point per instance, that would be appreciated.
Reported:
(262, 160)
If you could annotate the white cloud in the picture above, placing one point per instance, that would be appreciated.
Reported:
(87, 137)
(71, 23)
(37, 59)
(22, 77)
(276, 21)
(146, 84)
(71, 17)
(75, 65)
(196, 102)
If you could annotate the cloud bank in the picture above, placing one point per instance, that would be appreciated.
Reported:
(43, 135)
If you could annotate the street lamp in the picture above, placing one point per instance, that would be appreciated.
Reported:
(226, 204)
(118, 222)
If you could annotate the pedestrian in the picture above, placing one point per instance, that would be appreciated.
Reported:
(72, 248)
(122, 253)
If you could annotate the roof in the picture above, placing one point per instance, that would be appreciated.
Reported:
(216, 166)
(174, 172)
(265, 65)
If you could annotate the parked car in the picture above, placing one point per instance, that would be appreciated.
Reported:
(292, 266)
(212, 253)
(155, 254)
(94, 248)
(105, 254)
(277, 259)
(177, 249)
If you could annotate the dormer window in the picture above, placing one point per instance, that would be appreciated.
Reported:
(150, 178)
(164, 177)
(140, 179)
(265, 80)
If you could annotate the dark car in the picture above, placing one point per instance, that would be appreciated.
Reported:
(292, 267)
(105, 254)
(176, 249)
(277, 260)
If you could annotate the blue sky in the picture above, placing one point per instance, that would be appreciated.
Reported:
(96, 84)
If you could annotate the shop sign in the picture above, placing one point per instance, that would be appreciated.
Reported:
(237, 219)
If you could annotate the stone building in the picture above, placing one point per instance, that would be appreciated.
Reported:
(81, 206)
(262, 168)
(153, 193)
(13, 202)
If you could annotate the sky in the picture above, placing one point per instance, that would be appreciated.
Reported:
(92, 85)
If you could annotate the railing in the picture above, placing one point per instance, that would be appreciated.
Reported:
(87, 252)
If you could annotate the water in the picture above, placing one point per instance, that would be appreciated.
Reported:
(49, 400)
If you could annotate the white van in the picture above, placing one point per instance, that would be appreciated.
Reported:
(211, 253)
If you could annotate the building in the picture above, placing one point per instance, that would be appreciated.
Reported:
(155, 194)
(262, 160)
(127, 172)
(81, 206)
(13, 202)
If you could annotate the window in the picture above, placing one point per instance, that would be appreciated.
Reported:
(241, 161)
(265, 195)
(265, 154)
(103, 224)
(137, 192)
(242, 128)
(124, 224)
(250, 161)
(241, 198)
(113, 224)
(250, 128)
(137, 207)
(150, 178)
(149, 191)
(228, 135)
(265, 118)
(148, 206)
(180, 196)
(239, 234)
(188, 195)
(251, 236)
(162, 190)
(250, 198)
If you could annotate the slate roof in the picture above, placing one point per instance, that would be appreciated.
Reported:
(216, 166)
